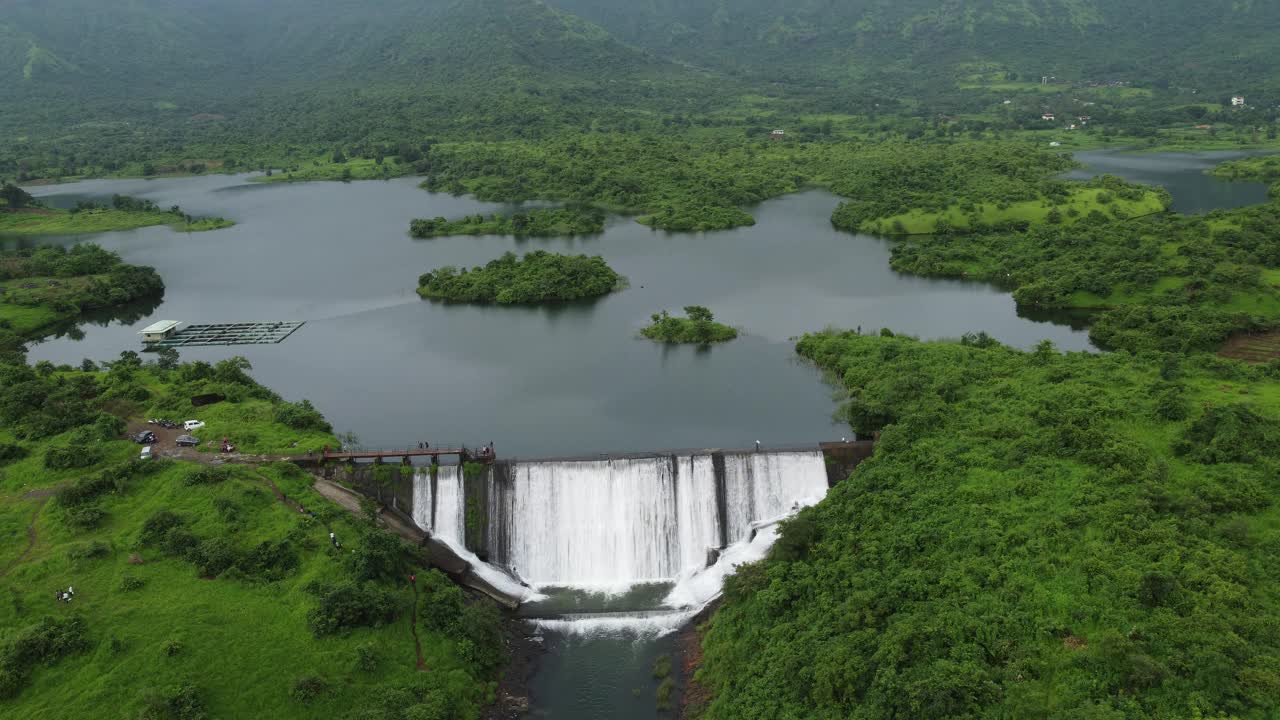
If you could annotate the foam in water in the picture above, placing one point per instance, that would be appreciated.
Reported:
(607, 525)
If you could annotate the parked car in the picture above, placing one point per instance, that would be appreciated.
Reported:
(146, 437)
(187, 441)
(145, 454)
(192, 425)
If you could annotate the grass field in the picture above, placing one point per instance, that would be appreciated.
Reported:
(61, 222)
(352, 169)
(1081, 202)
(31, 309)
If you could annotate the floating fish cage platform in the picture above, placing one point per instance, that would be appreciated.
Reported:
(268, 333)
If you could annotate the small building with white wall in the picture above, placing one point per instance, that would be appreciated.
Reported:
(159, 331)
(1237, 101)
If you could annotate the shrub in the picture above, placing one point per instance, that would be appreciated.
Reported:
(174, 703)
(269, 560)
(129, 583)
(380, 556)
(157, 527)
(366, 658)
(85, 517)
(11, 452)
(206, 476)
(1233, 433)
(440, 602)
(86, 551)
(213, 556)
(301, 416)
(172, 647)
(71, 457)
(306, 689)
(44, 643)
(348, 604)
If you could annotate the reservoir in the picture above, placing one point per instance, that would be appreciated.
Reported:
(1182, 174)
(543, 381)
(569, 380)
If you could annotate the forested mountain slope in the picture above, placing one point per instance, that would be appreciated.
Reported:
(1182, 42)
(205, 48)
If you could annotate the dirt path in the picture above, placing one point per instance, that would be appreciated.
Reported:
(413, 625)
(32, 535)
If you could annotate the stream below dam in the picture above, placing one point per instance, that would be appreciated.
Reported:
(616, 551)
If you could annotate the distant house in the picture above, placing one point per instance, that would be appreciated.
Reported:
(1084, 119)
(1204, 127)
(1237, 101)
(1055, 143)
(778, 134)
(1048, 116)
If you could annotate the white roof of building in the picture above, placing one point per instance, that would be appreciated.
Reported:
(163, 326)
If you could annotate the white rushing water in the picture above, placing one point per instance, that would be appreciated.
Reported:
(615, 523)
(607, 525)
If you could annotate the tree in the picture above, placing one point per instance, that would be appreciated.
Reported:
(698, 313)
(167, 359)
(15, 197)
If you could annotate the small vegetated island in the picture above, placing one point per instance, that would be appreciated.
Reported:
(43, 286)
(538, 277)
(21, 214)
(699, 326)
(546, 222)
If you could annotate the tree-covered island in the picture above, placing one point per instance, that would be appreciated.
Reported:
(538, 277)
(699, 326)
(542, 222)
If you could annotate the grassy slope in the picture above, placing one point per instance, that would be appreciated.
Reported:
(62, 222)
(29, 310)
(243, 643)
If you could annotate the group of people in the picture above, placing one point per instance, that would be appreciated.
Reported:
(65, 595)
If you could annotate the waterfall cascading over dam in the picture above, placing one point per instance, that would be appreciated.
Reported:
(616, 522)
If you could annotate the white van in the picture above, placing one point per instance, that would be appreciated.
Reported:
(146, 453)
(192, 425)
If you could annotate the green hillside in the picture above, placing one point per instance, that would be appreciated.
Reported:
(825, 41)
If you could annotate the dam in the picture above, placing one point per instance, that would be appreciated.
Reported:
(607, 525)
(613, 522)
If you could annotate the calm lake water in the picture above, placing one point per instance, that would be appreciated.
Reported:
(564, 380)
(1183, 174)
(568, 380)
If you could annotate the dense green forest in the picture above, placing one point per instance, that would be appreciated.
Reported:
(1038, 535)
(537, 277)
(1196, 278)
(191, 86)
(545, 222)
